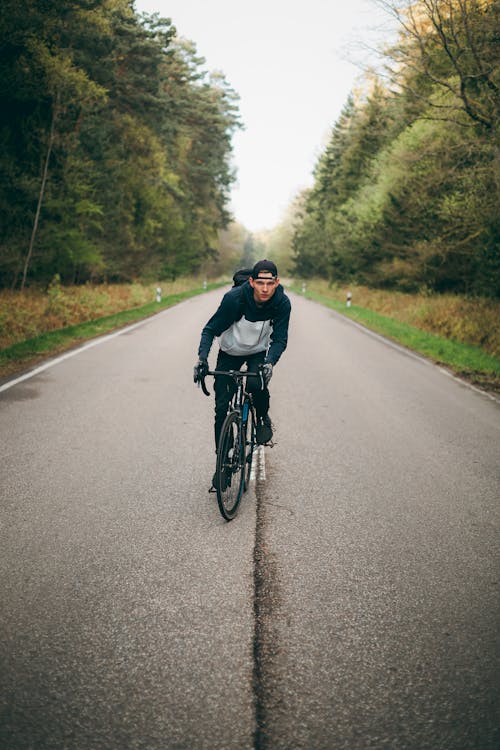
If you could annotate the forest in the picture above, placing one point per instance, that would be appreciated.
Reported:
(116, 146)
(405, 194)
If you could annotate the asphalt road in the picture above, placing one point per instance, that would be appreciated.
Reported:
(353, 602)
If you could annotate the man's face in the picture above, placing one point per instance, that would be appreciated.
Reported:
(264, 286)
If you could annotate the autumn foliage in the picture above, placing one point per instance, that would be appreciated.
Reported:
(25, 315)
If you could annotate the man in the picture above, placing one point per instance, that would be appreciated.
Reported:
(252, 325)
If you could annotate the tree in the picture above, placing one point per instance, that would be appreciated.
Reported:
(406, 193)
(451, 46)
(116, 145)
(278, 242)
(43, 92)
(341, 171)
(229, 251)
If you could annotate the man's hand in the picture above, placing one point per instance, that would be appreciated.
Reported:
(200, 370)
(267, 373)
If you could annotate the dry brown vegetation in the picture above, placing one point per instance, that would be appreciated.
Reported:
(467, 320)
(24, 315)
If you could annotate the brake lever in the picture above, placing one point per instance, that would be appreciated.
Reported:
(204, 387)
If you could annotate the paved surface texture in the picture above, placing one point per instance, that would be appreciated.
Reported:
(353, 602)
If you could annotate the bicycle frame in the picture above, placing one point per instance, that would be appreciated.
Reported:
(234, 456)
(241, 401)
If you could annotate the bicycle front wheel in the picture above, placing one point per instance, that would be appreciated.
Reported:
(230, 469)
(249, 447)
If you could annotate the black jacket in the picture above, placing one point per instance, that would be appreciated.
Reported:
(239, 303)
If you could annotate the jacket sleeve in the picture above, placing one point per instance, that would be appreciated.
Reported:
(223, 318)
(279, 335)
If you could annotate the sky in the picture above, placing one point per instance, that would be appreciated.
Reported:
(293, 64)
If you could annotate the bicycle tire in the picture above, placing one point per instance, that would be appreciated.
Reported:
(230, 468)
(249, 447)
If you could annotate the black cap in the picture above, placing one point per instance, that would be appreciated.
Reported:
(264, 265)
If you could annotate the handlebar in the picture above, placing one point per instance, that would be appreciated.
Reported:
(235, 374)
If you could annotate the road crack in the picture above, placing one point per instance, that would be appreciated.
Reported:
(266, 642)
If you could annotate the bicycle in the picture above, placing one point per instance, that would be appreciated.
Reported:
(236, 446)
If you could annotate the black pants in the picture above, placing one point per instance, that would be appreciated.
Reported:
(225, 387)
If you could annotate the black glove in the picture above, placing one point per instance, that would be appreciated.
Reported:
(200, 370)
(267, 373)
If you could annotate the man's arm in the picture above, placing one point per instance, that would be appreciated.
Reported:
(279, 335)
(224, 317)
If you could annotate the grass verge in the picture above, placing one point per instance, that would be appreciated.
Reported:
(28, 353)
(468, 362)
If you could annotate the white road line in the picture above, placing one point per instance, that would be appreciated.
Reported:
(412, 354)
(74, 352)
(253, 470)
(258, 470)
(261, 457)
(469, 385)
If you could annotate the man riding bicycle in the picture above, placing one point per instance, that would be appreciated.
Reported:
(252, 325)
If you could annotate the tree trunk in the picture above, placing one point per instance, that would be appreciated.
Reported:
(42, 192)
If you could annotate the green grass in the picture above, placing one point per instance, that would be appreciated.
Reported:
(26, 353)
(465, 360)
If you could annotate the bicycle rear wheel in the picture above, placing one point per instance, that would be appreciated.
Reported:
(249, 447)
(230, 467)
